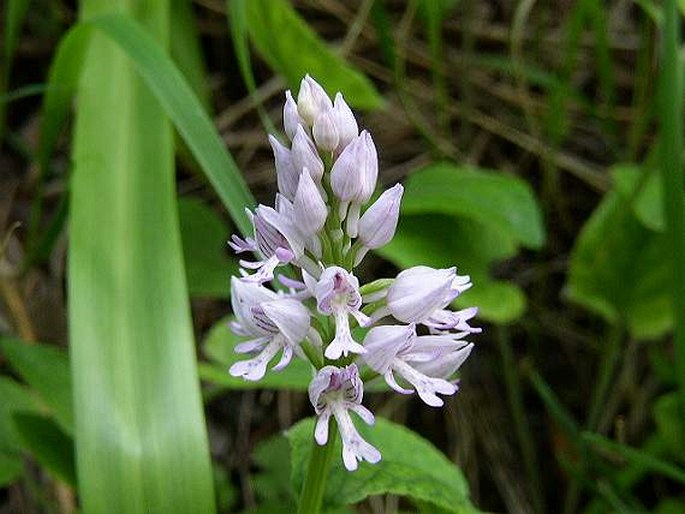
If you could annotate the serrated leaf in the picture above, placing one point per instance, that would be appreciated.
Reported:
(281, 36)
(46, 369)
(498, 201)
(617, 270)
(218, 346)
(208, 268)
(53, 449)
(443, 241)
(410, 466)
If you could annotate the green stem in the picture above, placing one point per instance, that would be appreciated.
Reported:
(317, 473)
(607, 370)
(671, 118)
(512, 382)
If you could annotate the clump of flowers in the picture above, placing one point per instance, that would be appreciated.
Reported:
(322, 227)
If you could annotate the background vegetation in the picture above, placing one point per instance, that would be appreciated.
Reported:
(540, 145)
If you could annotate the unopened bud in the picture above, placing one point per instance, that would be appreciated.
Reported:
(311, 99)
(286, 175)
(378, 224)
(291, 118)
(325, 131)
(344, 122)
(309, 209)
(304, 155)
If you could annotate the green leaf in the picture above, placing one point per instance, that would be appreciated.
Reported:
(501, 202)
(14, 16)
(617, 270)
(670, 506)
(167, 85)
(410, 466)
(48, 444)
(186, 50)
(642, 188)
(280, 35)
(15, 398)
(218, 346)
(204, 236)
(141, 441)
(670, 425)
(11, 469)
(443, 241)
(46, 369)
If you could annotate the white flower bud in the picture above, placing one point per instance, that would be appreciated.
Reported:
(304, 155)
(309, 209)
(378, 224)
(311, 99)
(354, 173)
(344, 122)
(291, 118)
(286, 175)
(325, 131)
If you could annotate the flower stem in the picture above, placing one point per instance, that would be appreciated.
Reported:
(317, 473)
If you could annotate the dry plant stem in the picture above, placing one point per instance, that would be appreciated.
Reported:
(523, 433)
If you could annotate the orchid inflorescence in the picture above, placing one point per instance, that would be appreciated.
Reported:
(319, 227)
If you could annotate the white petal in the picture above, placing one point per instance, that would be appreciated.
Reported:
(385, 342)
(290, 316)
(321, 430)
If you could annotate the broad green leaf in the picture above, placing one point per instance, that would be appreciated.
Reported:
(293, 49)
(670, 505)
(670, 425)
(498, 201)
(617, 270)
(141, 442)
(218, 346)
(46, 369)
(53, 449)
(15, 398)
(642, 188)
(167, 85)
(11, 469)
(204, 235)
(443, 241)
(410, 466)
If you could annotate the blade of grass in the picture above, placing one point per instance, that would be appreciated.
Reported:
(643, 459)
(671, 134)
(140, 434)
(168, 86)
(240, 36)
(15, 13)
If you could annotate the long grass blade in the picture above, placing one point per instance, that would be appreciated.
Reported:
(140, 434)
(671, 118)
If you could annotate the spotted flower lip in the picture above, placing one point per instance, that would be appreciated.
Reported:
(334, 392)
(337, 293)
(273, 322)
(420, 292)
(423, 363)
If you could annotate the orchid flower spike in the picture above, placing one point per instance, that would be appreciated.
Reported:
(334, 392)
